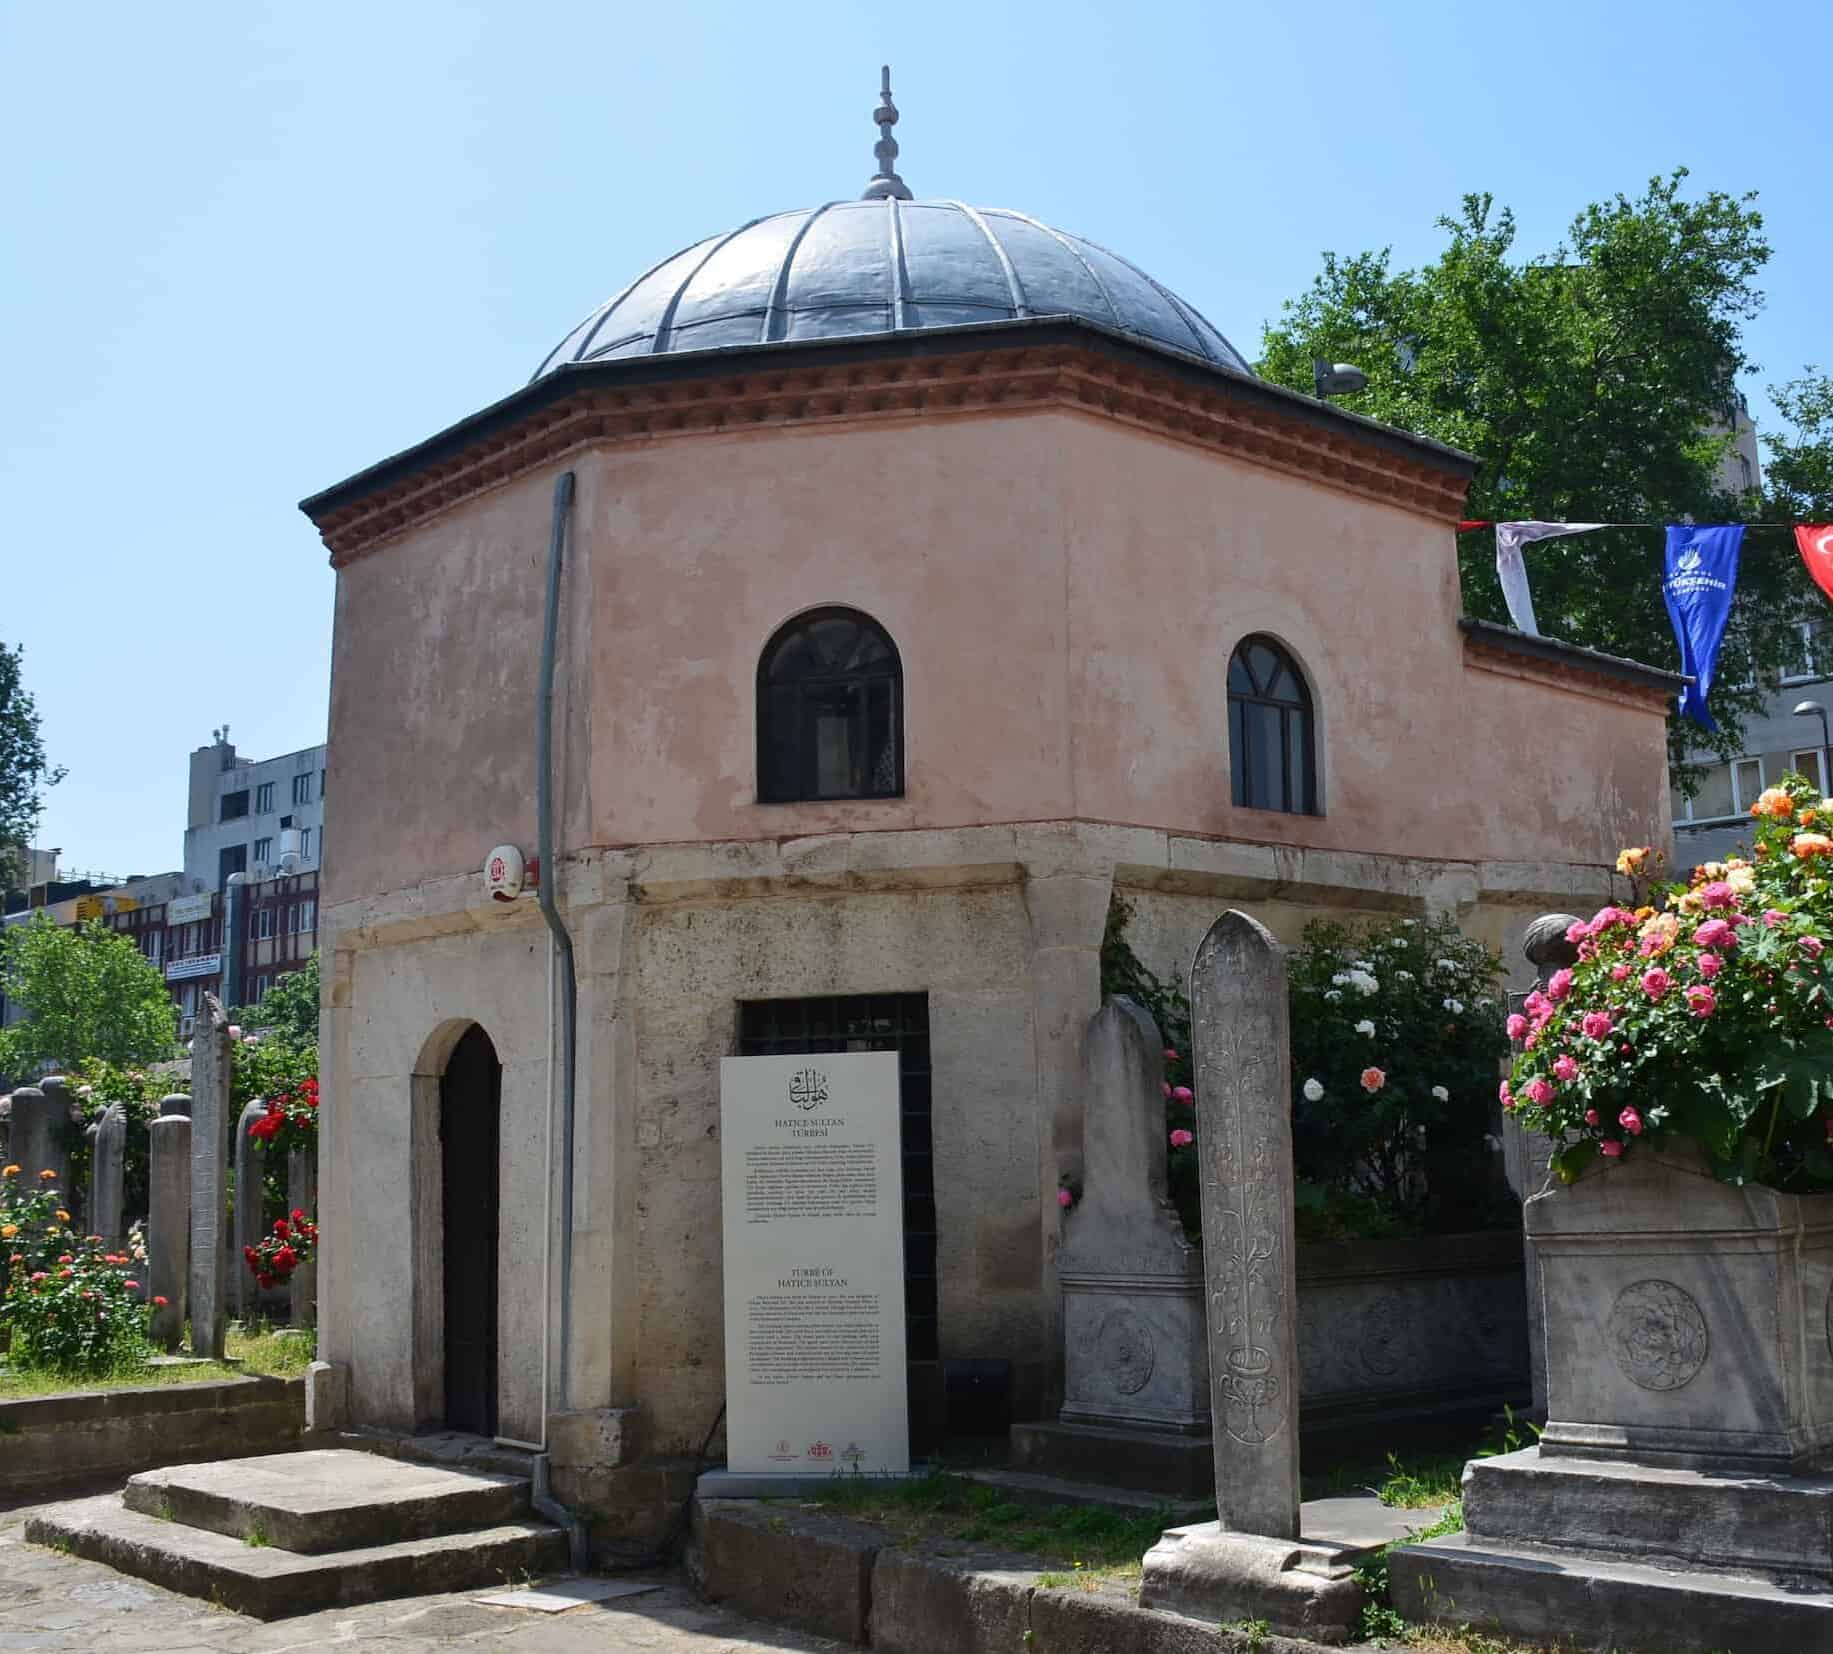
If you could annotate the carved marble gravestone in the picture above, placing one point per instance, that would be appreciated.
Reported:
(168, 1223)
(210, 1080)
(107, 1173)
(1250, 1563)
(1132, 1327)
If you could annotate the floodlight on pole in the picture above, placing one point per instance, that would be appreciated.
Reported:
(1813, 709)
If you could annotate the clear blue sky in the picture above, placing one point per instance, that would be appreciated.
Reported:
(249, 249)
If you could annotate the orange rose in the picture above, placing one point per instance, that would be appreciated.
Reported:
(1811, 844)
(1773, 801)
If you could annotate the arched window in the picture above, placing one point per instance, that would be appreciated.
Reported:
(830, 710)
(1272, 755)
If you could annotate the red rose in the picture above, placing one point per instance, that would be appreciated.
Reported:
(281, 1229)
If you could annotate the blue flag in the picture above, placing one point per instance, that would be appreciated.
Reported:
(1700, 578)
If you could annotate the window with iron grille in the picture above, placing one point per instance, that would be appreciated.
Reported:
(830, 693)
(874, 1022)
(1271, 749)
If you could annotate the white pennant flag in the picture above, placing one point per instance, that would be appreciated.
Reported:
(1512, 571)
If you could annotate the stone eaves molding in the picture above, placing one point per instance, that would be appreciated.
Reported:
(1208, 411)
(964, 858)
(1579, 671)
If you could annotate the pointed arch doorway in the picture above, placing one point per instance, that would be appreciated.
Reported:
(470, 1130)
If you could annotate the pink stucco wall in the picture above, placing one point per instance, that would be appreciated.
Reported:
(1065, 593)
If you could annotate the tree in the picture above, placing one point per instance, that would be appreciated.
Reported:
(289, 1014)
(1596, 384)
(87, 994)
(1800, 474)
(23, 769)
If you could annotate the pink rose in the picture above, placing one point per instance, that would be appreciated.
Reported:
(1710, 965)
(1656, 982)
(1775, 917)
(1170, 1055)
(1812, 946)
(1065, 1199)
(1587, 950)
(1184, 1094)
(1538, 1005)
(1182, 1139)
(1591, 1116)
(1539, 1090)
(1619, 972)
(1605, 917)
(1559, 984)
(1578, 931)
(1373, 1079)
(1701, 1000)
(1717, 894)
(1715, 933)
(1610, 1148)
(1596, 1024)
(1516, 1025)
(1564, 1068)
(1506, 1096)
(1166, 1084)
(1631, 1122)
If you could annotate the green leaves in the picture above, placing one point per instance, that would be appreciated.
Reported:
(23, 768)
(1596, 384)
(1800, 1072)
(88, 994)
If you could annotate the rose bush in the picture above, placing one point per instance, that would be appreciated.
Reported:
(1396, 1033)
(277, 1255)
(71, 1306)
(1706, 1018)
(291, 1122)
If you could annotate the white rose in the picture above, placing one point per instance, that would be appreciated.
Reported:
(1365, 1027)
(1441, 1094)
(1366, 983)
(1332, 995)
(1455, 1007)
(1314, 1091)
(1403, 976)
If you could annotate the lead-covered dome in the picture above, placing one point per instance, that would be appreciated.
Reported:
(877, 267)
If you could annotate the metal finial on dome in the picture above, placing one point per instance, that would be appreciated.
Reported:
(886, 181)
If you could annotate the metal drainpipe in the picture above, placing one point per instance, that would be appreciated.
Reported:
(542, 1499)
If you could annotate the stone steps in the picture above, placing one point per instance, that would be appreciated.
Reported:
(293, 1533)
(326, 1500)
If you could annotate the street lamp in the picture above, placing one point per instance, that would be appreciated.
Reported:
(1813, 709)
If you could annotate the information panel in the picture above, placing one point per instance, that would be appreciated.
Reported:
(814, 1259)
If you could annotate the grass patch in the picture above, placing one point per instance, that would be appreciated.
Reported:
(257, 1349)
(24, 1386)
(1087, 1544)
(279, 1353)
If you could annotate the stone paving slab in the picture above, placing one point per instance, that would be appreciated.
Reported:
(56, 1604)
(327, 1499)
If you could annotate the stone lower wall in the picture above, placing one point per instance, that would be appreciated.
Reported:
(52, 1445)
(1392, 1324)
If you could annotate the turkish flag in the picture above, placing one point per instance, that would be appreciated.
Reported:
(1816, 543)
